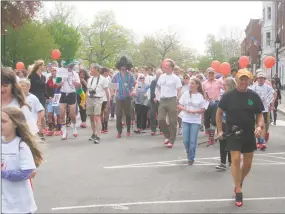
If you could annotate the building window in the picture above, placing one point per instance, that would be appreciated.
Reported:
(268, 39)
(269, 13)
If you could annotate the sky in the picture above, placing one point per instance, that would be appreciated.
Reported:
(192, 20)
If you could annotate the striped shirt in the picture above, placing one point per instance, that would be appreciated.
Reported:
(126, 85)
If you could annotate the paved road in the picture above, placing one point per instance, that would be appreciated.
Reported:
(138, 174)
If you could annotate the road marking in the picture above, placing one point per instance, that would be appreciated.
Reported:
(124, 205)
(183, 164)
(198, 160)
(271, 156)
(270, 161)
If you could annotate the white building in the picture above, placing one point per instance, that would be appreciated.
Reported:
(268, 32)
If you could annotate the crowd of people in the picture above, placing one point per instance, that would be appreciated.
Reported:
(168, 101)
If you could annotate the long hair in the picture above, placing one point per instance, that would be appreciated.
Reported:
(9, 77)
(198, 82)
(36, 66)
(86, 74)
(231, 83)
(23, 131)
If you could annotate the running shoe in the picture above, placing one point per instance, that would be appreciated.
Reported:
(92, 138)
(152, 133)
(119, 135)
(263, 147)
(190, 162)
(166, 141)
(221, 167)
(169, 145)
(128, 134)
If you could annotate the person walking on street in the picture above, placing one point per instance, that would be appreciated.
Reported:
(169, 86)
(97, 88)
(154, 103)
(228, 84)
(127, 87)
(244, 118)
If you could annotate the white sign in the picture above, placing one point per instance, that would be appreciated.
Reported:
(56, 99)
(62, 72)
(114, 85)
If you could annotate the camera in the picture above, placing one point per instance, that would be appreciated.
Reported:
(92, 93)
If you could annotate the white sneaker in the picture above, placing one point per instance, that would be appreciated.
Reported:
(64, 133)
(166, 141)
(74, 131)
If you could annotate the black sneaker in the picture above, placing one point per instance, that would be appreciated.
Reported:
(221, 167)
(96, 140)
(93, 136)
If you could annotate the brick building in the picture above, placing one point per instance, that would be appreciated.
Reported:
(280, 31)
(251, 43)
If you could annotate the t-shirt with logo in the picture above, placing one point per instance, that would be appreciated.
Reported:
(194, 102)
(68, 86)
(17, 197)
(35, 105)
(168, 85)
(240, 109)
(266, 94)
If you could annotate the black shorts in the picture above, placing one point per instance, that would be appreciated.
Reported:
(241, 143)
(68, 98)
(104, 104)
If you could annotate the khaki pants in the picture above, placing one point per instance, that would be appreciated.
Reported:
(168, 106)
(123, 106)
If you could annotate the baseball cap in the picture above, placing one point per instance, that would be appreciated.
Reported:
(244, 72)
(210, 69)
(258, 70)
(261, 74)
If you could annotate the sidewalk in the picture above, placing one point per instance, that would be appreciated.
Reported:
(281, 107)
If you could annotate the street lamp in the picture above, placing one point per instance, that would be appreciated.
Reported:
(277, 46)
(4, 46)
(259, 55)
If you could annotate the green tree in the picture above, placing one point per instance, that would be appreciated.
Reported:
(234, 62)
(147, 53)
(66, 37)
(204, 62)
(105, 40)
(29, 43)
(214, 48)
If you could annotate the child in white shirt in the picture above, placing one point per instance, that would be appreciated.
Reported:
(20, 157)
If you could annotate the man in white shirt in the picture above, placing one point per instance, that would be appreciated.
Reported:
(97, 88)
(268, 96)
(169, 86)
(68, 85)
(37, 108)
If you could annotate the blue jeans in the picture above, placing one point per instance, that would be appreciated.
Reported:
(190, 134)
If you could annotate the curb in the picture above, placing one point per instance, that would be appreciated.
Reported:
(281, 112)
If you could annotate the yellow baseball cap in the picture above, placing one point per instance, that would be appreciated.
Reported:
(244, 72)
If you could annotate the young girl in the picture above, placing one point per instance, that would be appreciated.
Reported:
(192, 105)
(229, 84)
(20, 157)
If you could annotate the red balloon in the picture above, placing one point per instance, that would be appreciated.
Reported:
(163, 64)
(243, 61)
(20, 66)
(269, 61)
(225, 68)
(55, 54)
(216, 65)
